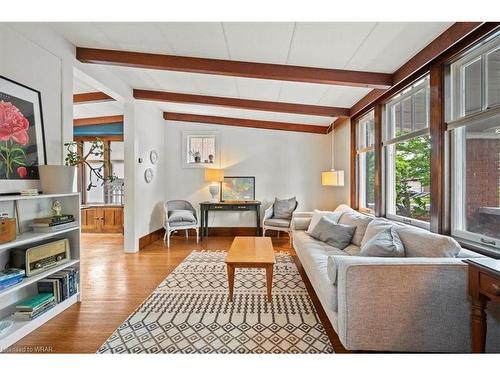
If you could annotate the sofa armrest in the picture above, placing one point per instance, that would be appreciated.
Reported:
(301, 220)
(403, 304)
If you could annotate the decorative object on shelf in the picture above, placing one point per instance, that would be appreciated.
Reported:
(61, 178)
(153, 156)
(148, 175)
(332, 177)
(215, 177)
(238, 189)
(211, 159)
(7, 229)
(5, 325)
(21, 137)
(57, 208)
(196, 156)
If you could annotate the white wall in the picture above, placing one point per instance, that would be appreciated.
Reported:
(144, 131)
(284, 164)
(26, 63)
(342, 161)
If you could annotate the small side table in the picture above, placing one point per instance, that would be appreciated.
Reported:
(484, 286)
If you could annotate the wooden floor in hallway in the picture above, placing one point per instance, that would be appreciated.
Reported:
(114, 284)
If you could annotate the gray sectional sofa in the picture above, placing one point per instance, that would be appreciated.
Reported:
(416, 303)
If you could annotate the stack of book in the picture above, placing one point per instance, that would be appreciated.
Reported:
(61, 285)
(53, 223)
(33, 307)
(11, 277)
(29, 192)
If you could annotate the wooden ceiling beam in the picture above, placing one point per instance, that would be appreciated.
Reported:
(91, 97)
(259, 105)
(97, 120)
(246, 123)
(234, 68)
(456, 35)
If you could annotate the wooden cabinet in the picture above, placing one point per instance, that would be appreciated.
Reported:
(104, 219)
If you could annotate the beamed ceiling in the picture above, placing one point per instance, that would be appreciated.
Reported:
(308, 74)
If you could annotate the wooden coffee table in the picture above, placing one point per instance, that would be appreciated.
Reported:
(251, 252)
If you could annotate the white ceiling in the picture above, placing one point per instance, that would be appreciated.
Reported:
(369, 46)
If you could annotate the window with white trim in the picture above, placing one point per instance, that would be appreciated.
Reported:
(406, 144)
(200, 150)
(474, 126)
(365, 162)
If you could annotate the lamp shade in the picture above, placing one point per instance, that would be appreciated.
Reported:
(332, 178)
(214, 175)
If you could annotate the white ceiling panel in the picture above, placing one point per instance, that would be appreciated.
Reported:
(208, 84)
(391, 44)
(82, 34)
(97, 109)
(246, 114)
(258, 89)
(80, 86)
(327, 45)
(343, 96)
(195, 39)
(267, 42)
(305, 93)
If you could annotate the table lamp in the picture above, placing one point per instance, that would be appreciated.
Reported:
(215, 177)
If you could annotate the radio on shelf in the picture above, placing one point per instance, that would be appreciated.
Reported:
(38, 257)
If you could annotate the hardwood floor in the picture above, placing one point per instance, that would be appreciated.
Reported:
(114, 284)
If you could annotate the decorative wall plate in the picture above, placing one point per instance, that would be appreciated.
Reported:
(153, 156)
(148, 175)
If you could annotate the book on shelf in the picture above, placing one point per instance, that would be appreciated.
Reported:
(24, 315)
(50, 286)
(53, 219)
(53, 228)
(34, 303)
(29, 192)
(62, 284)
(10, 282)
(11, 273)
(54, 224)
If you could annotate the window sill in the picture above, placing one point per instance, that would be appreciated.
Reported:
(478, 248)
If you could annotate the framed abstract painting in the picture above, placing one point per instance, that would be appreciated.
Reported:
(238, 189)
(22, 142)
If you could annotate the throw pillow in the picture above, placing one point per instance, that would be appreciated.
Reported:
(283, 208)
(360, 221)
(181, 215)
(422, 243)
(336, 235)
(333, 216)
(385, 244)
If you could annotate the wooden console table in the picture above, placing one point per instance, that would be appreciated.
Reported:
(205, 207)
(484, 286)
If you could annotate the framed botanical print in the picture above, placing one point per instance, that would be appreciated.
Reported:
(22, 142)
(238, 189)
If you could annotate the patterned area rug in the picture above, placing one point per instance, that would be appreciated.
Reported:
(189, 313)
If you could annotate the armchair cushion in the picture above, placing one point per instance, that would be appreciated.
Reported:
(282, 223)
(283, 208)
(181, 223)
(176, 216)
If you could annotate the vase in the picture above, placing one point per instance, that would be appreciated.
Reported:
(57, 179)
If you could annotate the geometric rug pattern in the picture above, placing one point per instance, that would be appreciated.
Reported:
(189, 312)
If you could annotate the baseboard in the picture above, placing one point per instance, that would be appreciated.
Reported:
(150, 238)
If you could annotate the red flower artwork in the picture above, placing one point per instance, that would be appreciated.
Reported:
(14, 132)
(13, 125)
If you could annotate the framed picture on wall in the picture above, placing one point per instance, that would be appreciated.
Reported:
(238, 189)
(22, 141)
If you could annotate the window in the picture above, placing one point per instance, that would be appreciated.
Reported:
(200, 150)
(475, 137)
(407, 155)
(365, 160)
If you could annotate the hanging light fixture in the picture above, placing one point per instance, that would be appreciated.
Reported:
(332, 177)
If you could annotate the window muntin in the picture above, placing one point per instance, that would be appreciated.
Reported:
(365, 162)
(475, 137)
(407, 155)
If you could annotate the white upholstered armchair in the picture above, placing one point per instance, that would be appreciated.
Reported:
(179, 215)
(269, 222)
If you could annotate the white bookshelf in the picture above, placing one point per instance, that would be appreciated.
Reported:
(27, 209)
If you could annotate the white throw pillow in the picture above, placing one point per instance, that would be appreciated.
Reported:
(332, 216)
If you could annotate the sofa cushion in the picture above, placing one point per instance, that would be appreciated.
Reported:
(422, 243)
(343, 208)
(384, 244)
(283, 208)
(352, 249)
(282, 223)
(376, 226)
(331, 269)
(336, 235)
(333, 216)
(358, 220)
(175, 216)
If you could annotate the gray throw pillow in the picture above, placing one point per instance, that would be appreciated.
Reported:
(283, 208)
(385, 244)
(336, 235)
(181, 215)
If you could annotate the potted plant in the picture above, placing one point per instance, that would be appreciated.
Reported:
(61, 178)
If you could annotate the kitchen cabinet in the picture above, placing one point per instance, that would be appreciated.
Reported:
(102, 219)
